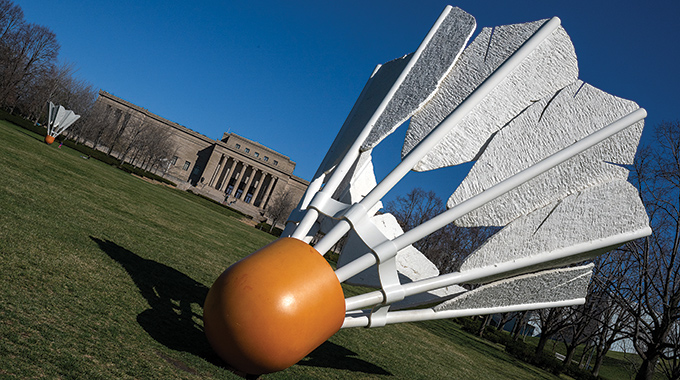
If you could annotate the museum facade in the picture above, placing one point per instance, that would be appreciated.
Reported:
(234, 170)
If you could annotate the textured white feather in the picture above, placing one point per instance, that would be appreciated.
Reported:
(550, 67)
(435, 62)
(555, 285)
(613, 208)
(544, 128)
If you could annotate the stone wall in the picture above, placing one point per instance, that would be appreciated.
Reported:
(235, 171)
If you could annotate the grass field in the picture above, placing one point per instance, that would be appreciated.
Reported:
(104, 277)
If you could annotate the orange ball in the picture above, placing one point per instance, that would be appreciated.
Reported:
(49, 139)
(272, 308)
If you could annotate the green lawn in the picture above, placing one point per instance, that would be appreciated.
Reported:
(104, 276)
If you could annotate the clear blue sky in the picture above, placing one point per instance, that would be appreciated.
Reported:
(286, 73)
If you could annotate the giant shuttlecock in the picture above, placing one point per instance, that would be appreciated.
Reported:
(550, 156)
(58, 119)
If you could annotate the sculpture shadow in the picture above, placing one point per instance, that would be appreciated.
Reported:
(172, 322)
(331, 355)
(171, 294)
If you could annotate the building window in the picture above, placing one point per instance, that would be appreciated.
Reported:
(247, 150)
(186, 165)
(257, 154)
(276, 162)
(174, 160)
(238, 146)
(266, 158)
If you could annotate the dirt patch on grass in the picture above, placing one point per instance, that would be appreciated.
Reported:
(177, 363)
(248, 221)
(149, 180)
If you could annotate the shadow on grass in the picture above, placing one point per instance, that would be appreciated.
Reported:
(331, 355)
(170, 293)
(29, 133)
(172, 322)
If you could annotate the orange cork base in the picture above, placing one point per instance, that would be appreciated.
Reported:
(49, 139)
(269, 310)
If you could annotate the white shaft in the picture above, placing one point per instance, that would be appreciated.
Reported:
(438, 133)
(353, 153)
(441, 220)
(421, 286)
(516, 180)
(430, 314)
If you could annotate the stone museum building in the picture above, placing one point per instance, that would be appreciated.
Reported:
(235, 171)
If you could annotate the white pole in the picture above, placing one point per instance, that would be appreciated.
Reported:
(421, 286)
(439, 132)
(518, 179)
(495, 191)
(353, 153)
(430, 314)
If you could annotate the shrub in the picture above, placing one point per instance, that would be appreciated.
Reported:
(264, 226)
(526, 353)
(579, 373)
(105, 158)
(332, 256)
(143, 173)
(20, 121)
(470, 325)
(221, 204)
(519, 350)
(547, 362)
(93, 153)
(84, 149)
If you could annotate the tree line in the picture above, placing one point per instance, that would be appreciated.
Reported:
(132, 137)
(634, 296)
(31, 76)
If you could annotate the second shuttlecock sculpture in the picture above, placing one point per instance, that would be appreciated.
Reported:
(58, 119)
(550, 153)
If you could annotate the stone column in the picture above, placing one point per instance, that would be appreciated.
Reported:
(217, 172)
(258, 186)
(237, 178)
(225, 176)
(270, 190)
(247, 184)
(235, 175)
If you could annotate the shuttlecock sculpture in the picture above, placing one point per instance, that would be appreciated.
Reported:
(58, 119)
(550, 154)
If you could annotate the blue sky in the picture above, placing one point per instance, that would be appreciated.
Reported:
(286, 74)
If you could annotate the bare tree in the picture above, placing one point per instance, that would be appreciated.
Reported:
(30, 55)
(94, 125)
(613, 321)
(11, 17)
(11, 20)
(522, 319)
(447, 247)
(582, 323)
(551, 322)
(279, 208)
(652, 289)
(132, 139)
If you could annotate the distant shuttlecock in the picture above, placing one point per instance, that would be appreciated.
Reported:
(58, 120)
(550, 156)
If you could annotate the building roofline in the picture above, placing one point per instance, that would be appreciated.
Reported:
(152, 115)
(198, 135)
(254, 143)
